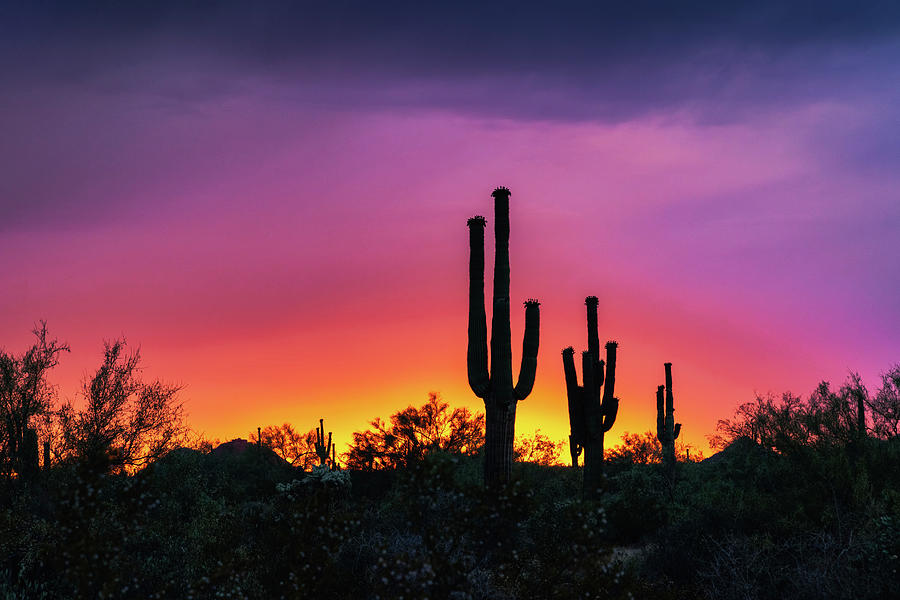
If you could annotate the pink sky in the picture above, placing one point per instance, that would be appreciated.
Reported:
(314, 265)
(289, 244)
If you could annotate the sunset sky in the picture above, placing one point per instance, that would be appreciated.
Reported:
(271, 200)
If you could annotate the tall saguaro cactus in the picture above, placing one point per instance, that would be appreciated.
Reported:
(496, 387)
(667, 429)
(591, 412)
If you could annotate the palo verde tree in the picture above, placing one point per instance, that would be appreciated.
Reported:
(298, 449)
(885, 405)
(126, 423)
(414, 432)
(592, 412)
(25, 395)
(496, 387)
(826, 418)
(538, 448)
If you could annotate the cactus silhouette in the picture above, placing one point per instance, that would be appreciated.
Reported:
(324, 450)
(29, 457)
(667, 429)
(860, 413)
(591, 413)
(496, 388)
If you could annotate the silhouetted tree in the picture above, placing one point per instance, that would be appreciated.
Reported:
(496, 387)
(825, 418)
(295, 448)
(645, 449)
(412, 433)
(885, 405)
(538, 448)
(25, 395)
(126, 423)
(770, 422)
(831, 417)
(636, 448)
(591, 412)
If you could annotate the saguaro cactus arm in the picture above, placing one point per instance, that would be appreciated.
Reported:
(477, 355)
(574, 396)
(530, 343)
(610, 410)
(609, 390)
(610, 406)
(671, 425)
(591, 303)
(568, 355)
(660, 414)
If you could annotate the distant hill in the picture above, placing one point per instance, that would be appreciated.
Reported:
(738, 450)
(240, 447)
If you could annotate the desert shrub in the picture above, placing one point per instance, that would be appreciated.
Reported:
(173, 531)
(811, 565)
(442, 535)
(636, 503)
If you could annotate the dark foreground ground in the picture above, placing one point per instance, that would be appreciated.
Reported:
(745, 523)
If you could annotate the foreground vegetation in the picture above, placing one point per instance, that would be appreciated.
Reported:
(802, 502)
(746, 523)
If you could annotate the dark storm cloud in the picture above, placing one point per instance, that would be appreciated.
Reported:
(539, 60)
(87, 88)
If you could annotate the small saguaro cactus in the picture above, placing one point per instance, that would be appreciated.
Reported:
(496, 387)
(592, 412)
(334, 463)
(323, 450)
(28, 460)
(667, 429)
(860, 413)
(47, 459)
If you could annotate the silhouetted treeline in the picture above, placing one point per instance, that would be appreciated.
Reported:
(803, 501)
(805, 516)
(124, 423)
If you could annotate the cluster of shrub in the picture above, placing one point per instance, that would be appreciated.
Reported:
(800, 503)
(239, 525)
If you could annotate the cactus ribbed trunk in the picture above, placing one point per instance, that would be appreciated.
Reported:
(496, 387)
(501, 333)
(592, 407)
(593, 432)
(592, 484)
(500, 429)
